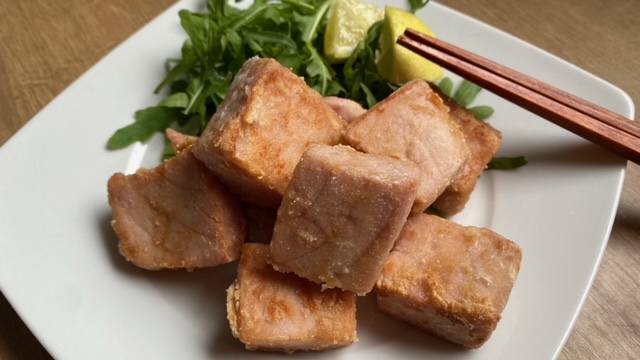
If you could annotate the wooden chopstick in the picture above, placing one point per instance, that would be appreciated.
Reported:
(590, 121)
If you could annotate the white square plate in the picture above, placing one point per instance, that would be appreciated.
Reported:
(60, 269)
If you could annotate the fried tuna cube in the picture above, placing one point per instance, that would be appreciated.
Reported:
(340, 216)
(267, 120)
(272, 311)
(413, 123)
(177, 215)
(450, 280)
(483, 141)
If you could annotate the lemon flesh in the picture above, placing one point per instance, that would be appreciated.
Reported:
(348, 24)
(397, 64)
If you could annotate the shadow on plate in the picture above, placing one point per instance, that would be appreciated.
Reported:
(110, 243)
(377, 333)
(382, 330)
(573, 154)
(200, 293)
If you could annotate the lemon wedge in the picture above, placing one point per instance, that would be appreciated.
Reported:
(397, 64)
(348, 24)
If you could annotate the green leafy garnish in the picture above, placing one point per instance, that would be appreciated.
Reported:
(360, 75)
(148, 122)
(176, 100)
(466, 93)
(507, 163)
(219, 42)
(417, 5)
(223, 38)
(482, 112)
(446, 86)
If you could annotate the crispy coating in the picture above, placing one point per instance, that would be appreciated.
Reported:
(483, 141)
(340, 216)
(272, 311)
(414, 124)
(451, 280)
(177, 215)
(260, 130)
(180, 141)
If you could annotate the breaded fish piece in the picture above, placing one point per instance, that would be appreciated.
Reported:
(484, 142)
(340, 216)
(413, 123)
(271, 311)
(267, 120)
(450, 280)
(177, 215)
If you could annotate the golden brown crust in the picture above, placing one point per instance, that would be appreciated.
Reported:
(483, 141)
(414, 124)
(180, 141)
(177, 215)
(261, 129)
(450, 280)
(340, 216)
(272, 311)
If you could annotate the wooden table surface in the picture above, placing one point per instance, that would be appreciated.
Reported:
(45, 45)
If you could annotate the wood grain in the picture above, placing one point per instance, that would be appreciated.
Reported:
(46, 45)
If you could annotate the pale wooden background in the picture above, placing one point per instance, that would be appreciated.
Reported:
(46, 44)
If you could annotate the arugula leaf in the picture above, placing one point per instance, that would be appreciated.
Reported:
(360, 74)
(417, 5)
(482, 112)
(197, 27)
(223, 38)
(320, 73)
(219, 42)
(446, 86)
(507, 163)
(466, 93)
(189, 59)
(148, 122)
(177, 100)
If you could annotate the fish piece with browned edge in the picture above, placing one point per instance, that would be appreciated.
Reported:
(451, 280)
(340, 216)
(258, 133)
(176, 215)
(483, 141)
(414, 124)
(271, 311)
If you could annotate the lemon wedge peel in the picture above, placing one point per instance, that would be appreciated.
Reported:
(397, 64)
